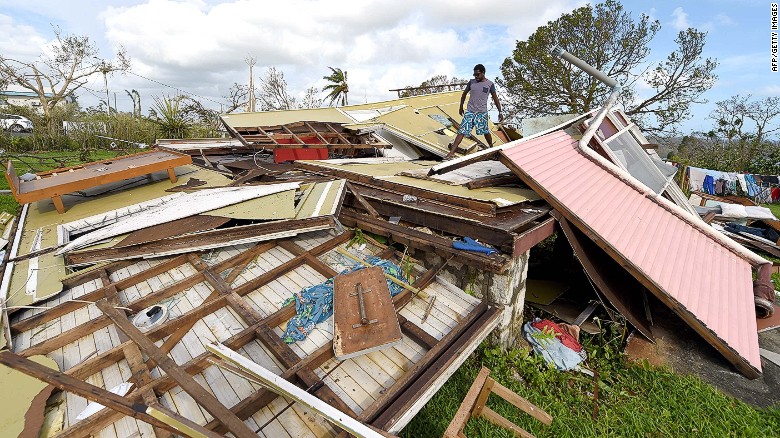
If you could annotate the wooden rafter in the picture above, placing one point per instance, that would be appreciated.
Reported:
(297, 369)
(182, 378)
(99, 395)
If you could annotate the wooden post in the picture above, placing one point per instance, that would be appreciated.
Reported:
(57, 200)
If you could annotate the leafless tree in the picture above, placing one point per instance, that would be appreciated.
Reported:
(312, 98)
(273, 92)
(238, 96)
(58, 73)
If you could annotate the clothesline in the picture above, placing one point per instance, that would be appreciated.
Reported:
(715, 182)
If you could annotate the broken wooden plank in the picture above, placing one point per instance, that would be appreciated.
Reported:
(92, 393)
(369, 208)
(204, 240)
(178, 227)
(425, 384)
(422, 241)
(194, 389)
(281, 386)
(486, 208)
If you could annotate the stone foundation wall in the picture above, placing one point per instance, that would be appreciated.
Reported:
(507, 289)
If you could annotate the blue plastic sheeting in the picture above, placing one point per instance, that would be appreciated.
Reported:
(314, 304)
(469, 244)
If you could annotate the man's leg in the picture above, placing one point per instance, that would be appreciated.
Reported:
(454, 146)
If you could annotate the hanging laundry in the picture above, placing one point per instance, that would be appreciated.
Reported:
(719, 187)
(709, 185)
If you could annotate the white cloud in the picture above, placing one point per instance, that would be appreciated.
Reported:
(771, 90)
(680, 21)
(724, 20)
(19, 41)
(383, 45)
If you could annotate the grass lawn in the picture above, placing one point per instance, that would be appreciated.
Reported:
(635, 400)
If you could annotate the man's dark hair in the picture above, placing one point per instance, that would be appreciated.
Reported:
(480, 68)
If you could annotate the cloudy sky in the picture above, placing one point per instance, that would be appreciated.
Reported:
(199, 46)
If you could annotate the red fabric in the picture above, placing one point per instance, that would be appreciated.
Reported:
(775, 194)
(565, 338)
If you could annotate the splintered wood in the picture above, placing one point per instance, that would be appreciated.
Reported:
(364, 318)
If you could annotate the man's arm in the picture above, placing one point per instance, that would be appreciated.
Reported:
(498, 106)
(462, 100)
(463, 97)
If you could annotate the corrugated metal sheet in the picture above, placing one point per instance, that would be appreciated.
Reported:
(704, 282)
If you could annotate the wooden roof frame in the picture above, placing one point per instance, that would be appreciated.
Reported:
(290, 134)
(407, 392)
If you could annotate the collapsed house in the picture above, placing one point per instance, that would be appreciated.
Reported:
(164, 292)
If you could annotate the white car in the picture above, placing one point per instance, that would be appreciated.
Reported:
(14, 123)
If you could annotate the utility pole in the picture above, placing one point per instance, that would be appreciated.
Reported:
(105, 70)
(251, 104)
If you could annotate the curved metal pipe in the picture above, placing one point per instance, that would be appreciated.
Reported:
(763, 287)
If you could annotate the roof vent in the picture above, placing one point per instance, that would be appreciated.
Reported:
(150, 317)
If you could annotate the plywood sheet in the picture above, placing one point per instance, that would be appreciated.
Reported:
(182, 226)
(272, 207)
(180, 207)
(22, 407)
(357, 332)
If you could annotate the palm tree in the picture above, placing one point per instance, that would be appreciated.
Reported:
(136, 102)
(338, 87)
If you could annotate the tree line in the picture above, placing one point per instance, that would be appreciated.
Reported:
(532, 83)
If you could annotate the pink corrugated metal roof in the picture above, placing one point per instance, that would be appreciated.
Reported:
(692, 269)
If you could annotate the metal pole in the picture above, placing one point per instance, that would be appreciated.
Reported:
(105, 82)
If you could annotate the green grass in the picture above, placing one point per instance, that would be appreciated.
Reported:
(774, 207)
(43, 161)
(634, 400)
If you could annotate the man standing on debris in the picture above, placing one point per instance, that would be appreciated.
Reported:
(476, 112)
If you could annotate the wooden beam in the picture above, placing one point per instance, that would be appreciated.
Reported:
(410, 376)
(425, 242)
(487, 208)
(463, 414)
(281, 386)
(288, 358)
(532, 237)
(445, 361)
(187, 383)
(369, 208)
(93, 393)
(69, 306)
(141, 375)
(493, 180)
